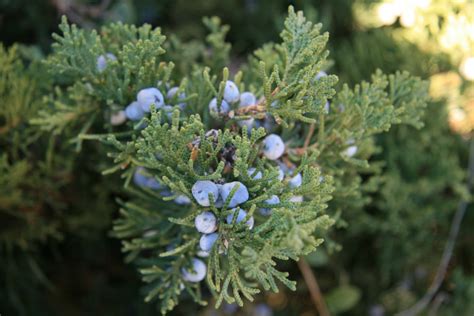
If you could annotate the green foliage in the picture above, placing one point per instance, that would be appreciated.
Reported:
(384, 195)
(342, 298)
(43, 197)
(213, 53)
(28, 198)
(23, 197)
(181, 147)
(418, 186)
(288, 233)
(462, 293)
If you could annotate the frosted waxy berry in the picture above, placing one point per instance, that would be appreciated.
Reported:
(326, 106)
(206, 222)
(249, 123)
(273, 200)
(134, 111)
(171, 94)
(150, 233)
(240, 217)
(320, 75)
(281, 173)
(296, 199)
(240, 196)
(202, 254)
(143, 179)
(351, 150)
(139, 177)
(231, 92)
(256, 175)
(118, 118)
(219, 203)
(246, 99)
(296, 181)
(273, 147)
(268, 123)
(207, 241)
(223, 109)
(101, 63)
(153, 184)
(230, 309)
(182, 200)
(196, 273)
(201, 191)
(148, 96)
(168, 110)
(262, 310)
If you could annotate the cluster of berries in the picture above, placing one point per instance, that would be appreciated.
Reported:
(232, 99)
(136, 110)
(144, 179)
(207, 193)
(207, 223)
(147, 97)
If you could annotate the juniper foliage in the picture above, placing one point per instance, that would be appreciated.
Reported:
(184, 145)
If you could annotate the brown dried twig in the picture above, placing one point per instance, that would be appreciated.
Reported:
(313, 287)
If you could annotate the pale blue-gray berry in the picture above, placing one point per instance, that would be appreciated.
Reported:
(202, 254)
(201, 191)
(150, 233)
(273, 147)
(296, 199)
(246, 99)
(140, 177)
(273, 200)
(118, 118)
(102, 61)
(143, 179)
(223, 109)
(268, 123)
(147, 97)
(254, 175)
(262, 310)
(171, 94)
(240, 196)
(231, 92)
(230, 309)
(155, 185)
(196, 273)
(219, 203)
(206, 222)
(182, 200)
(134, 111)
(249, 123)
(284, 168)
(207, 241)
(296, 181)
(320, 75)
(326, 106)
(241, 214)
(352, 149)
(168, 110)
(281, 173)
